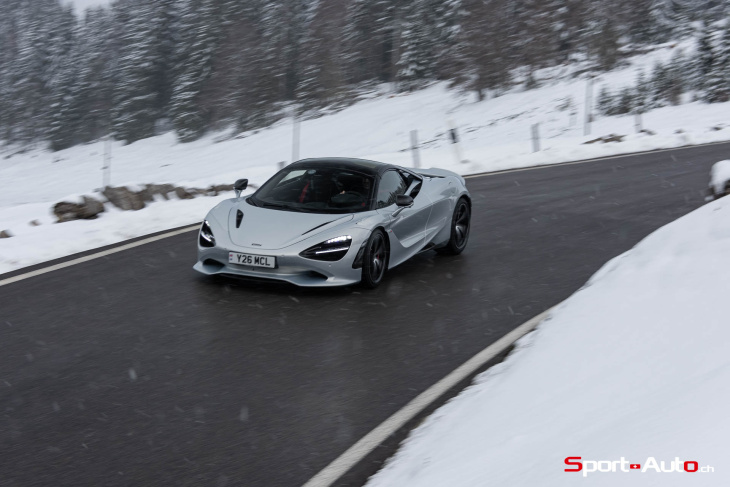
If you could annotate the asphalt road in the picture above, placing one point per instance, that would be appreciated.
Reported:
(132, 370)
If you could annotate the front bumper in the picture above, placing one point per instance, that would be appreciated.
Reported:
(290, 266)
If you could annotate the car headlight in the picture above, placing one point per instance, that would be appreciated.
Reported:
(330, 250)
(206, 235)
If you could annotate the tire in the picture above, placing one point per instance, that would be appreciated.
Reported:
(460, 227)
(375, 260)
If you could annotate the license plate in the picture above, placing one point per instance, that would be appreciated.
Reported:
(252, 260)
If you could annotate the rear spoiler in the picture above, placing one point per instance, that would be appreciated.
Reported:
(435, 172)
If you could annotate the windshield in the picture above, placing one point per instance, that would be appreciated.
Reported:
(317, 189)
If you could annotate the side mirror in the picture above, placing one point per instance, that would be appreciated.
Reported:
(403, 201)
(239, 186)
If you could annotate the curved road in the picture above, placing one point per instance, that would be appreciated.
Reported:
(132, 370)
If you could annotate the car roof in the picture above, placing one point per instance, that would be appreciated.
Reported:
(361, 165)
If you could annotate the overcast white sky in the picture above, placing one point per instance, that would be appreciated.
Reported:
(82, 5)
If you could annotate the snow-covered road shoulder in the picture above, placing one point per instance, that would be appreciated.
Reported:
(47, 241)
(634, 365)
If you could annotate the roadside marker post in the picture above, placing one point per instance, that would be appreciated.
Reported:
(535, 137)
(106, 169)
(295, 135)
(414, 149)
(455, 142)
(588, 107)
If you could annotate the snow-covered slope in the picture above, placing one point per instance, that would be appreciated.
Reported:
(634, 366)
(495, 135)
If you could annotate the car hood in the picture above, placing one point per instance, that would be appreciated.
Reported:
(266, 228)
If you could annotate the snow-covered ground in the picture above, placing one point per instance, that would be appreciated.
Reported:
(495, 135)
(635, 365)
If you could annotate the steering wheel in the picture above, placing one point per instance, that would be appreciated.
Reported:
(340, 187)
(348, 198)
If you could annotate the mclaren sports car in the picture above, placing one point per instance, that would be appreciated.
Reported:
(335, 222)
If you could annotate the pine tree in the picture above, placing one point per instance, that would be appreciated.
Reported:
(638, 27)
(668, 19)
(660, 85)
(600, 36)
(607, 49)
(371, 40)
(199, 37)
(415, 60)
(63, 123)
(704, 59)
(486, 61)
(166, 36)
(605, 102)
(449, 15)
(29, 73)
(271, 83)
(456, 63)
(321, 78)
(136, 91)
(676, 73)
(96, 55)
(625, 102)
(715, 83)
(642, 94)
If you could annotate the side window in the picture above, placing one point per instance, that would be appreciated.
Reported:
(391, 185)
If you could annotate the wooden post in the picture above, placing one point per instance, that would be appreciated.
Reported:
(414, 149)
(535, 137)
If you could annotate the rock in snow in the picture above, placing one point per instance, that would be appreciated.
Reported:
(124, 199)
(88, 209)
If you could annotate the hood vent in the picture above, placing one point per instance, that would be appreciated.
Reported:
(313, 229)
(239, 217)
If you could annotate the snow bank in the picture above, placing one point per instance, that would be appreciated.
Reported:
(720, 176)
(634, 365)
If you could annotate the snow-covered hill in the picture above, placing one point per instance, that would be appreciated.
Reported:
(495, 133)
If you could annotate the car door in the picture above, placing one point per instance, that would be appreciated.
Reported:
(408, 225)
